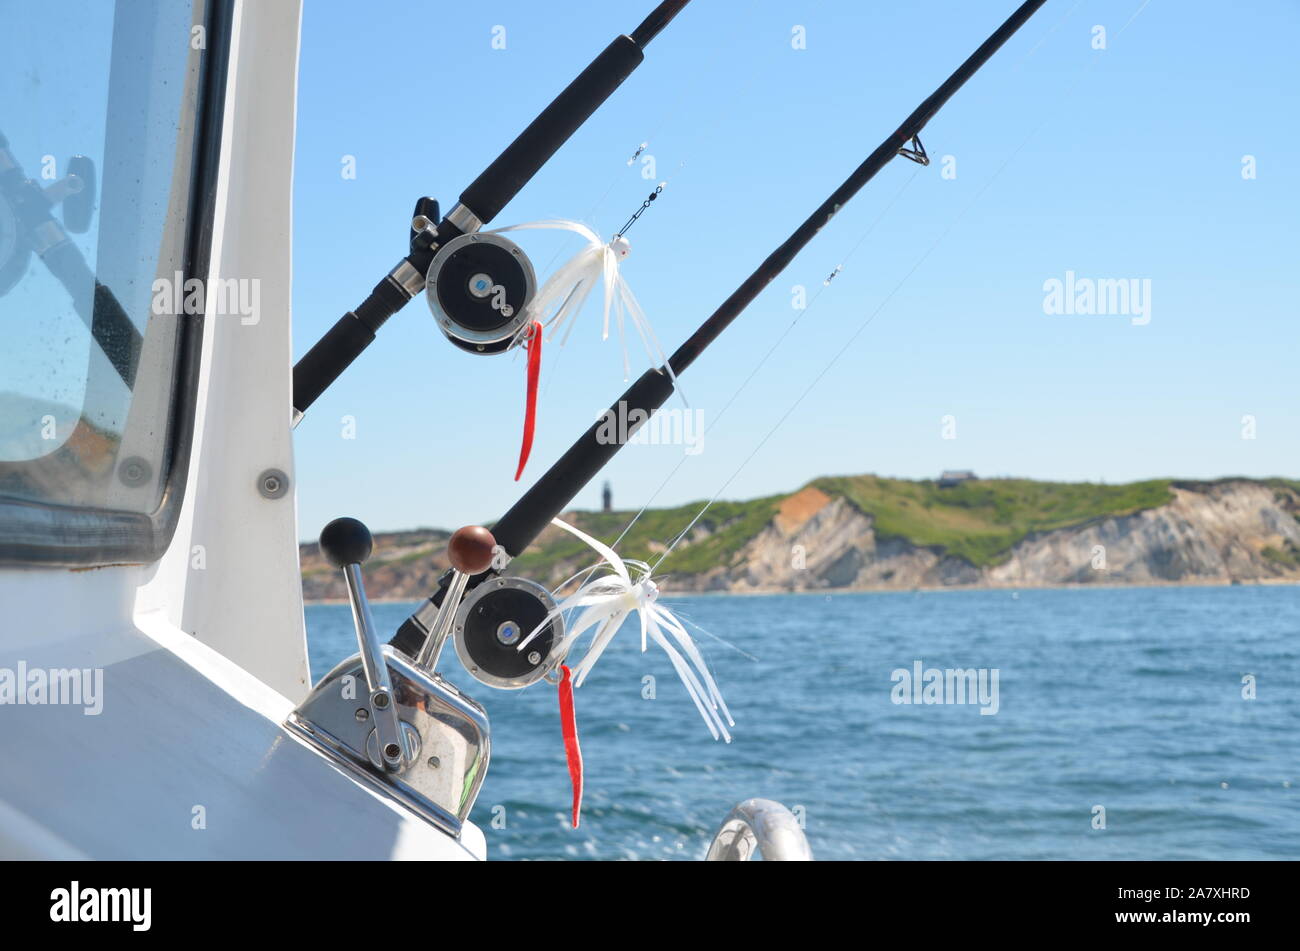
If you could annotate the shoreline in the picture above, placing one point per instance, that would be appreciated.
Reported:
(829, 592)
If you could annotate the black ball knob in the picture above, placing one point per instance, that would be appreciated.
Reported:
(345, 541)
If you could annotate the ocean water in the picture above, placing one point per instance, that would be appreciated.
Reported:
(1125, 698)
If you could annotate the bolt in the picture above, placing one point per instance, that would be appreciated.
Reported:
(273, 484)
(362, 714)
(135, 472)
(534, 658)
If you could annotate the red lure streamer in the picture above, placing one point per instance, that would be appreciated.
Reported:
(572, 751)
(533, 344)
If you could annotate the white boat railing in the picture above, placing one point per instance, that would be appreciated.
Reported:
(761, 825)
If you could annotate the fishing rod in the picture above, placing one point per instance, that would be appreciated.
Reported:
(478, 284)
(555, 489)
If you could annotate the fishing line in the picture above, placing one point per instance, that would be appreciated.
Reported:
(582, 576)
(799, 315)
(826, 283)
(668, 116)
(889, 297)
(539, 507)
(721, 640)
(555, 364)
(1048, 35)
(673, 111)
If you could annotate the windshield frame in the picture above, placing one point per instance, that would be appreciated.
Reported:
(40, 534)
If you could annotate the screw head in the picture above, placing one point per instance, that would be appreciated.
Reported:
(273, 484)
(362, 714)
(135, 471)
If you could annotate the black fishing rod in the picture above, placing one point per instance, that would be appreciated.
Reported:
(553, 492)
(479, 204)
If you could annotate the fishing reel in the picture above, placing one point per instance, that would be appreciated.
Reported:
(491, 623)
(478, 288)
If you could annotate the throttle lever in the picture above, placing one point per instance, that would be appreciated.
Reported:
(470, 550)
(346, 543)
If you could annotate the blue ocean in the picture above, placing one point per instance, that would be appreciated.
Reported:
(1131, 723)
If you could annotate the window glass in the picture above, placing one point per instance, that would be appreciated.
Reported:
(97, 123)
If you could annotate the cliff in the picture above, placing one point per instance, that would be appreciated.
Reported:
(868, 532)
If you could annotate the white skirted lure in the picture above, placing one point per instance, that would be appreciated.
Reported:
(566, 291)
(606, 600)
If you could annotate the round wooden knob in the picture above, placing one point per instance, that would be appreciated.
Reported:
(470, 549)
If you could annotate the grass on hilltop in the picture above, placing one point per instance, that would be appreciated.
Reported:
(979, 521)
(983, 519)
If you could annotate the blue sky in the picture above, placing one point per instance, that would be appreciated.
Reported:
(1124, 163)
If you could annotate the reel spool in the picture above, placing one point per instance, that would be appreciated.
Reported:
(491, 622)
(478, 287)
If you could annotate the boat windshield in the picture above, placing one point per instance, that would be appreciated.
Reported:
(99, 124)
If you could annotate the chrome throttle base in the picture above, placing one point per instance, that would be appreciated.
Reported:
(412, 735)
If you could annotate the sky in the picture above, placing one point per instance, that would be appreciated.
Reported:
(1169, 159)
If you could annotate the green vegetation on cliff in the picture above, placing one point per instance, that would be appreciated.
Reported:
(714, 540)
(982, 520)
(979, 521)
